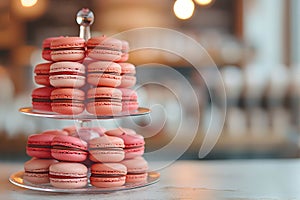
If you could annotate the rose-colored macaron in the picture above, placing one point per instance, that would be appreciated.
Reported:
(106, 149)
(68, 101)
(104, 48)
(128, 75)
(41, 99)
(136, 170)
(108, 175)
(69, 148)
(104, 73)
(68, 175)
(134, 143)
(39, 145)
(104, 101)
(67, 74)
(125, 50)
(37, 170)
(129, 100)
(68, 49)
(46, 52)
(42, 71)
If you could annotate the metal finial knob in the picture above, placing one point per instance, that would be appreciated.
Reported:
(85, 18)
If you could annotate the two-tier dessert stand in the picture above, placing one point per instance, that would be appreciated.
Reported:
(84, 18)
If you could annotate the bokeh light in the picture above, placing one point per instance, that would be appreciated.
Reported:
(184, 9)
(28, 3)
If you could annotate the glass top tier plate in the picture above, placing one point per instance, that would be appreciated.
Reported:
(83, 116)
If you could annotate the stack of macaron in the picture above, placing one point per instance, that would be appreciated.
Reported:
(64, 157)
(84, 75)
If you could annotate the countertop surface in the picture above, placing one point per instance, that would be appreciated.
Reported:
(227, 179)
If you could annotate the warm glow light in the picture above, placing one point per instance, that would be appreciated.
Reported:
(184, 9)
(28, 3)
(203, 2)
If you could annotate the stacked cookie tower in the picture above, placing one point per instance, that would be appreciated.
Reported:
(63, 157)
(63, 75)
(91, 76)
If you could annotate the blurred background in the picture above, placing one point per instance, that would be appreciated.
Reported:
(254, 43)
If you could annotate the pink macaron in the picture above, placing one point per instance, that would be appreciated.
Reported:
(134, 143)
(129, 100)
(104, 73)
(104, 101)
(46, 51)
(42, 72)
(66, 175)
(68, 101)
(41, 99)
(68, 49)
(37, 170)
(39, 145)
(108, 175)
(128, 75)
(68, 148)
(125, 50)
(67, 74)
(104, 48)
(106, 149)
(136, 170)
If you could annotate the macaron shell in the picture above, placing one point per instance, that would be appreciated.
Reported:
(106, 149)
(120, 131)
(136, 165)
(68, 148)
(136, 169)
(104, 48)
(66, 49)
(108, 174)
(106, 142)
(39, 145)
(46, 52)
(36, 178)
(67, 101)
(104, 108)
(129, 99)
(42, 74)
(136, 178)
(125, 50)
(41, 99)
(109, 155)
(127, 81)
(37, 170)
(109, 169)
(69, 141)
(103, 73)
(104, 101)
(68, 175)
(67, 74)
(69, 155)
(130, 106)
(134, 152)
(108, 182)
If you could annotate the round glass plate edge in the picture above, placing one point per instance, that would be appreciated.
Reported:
(17, 179)
(84, 116)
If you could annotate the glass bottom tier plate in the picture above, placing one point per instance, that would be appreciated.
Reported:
(82, 116)
(17, 179)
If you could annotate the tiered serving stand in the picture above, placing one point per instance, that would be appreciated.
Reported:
(84, 18)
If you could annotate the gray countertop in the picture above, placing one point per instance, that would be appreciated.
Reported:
(229, 179)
